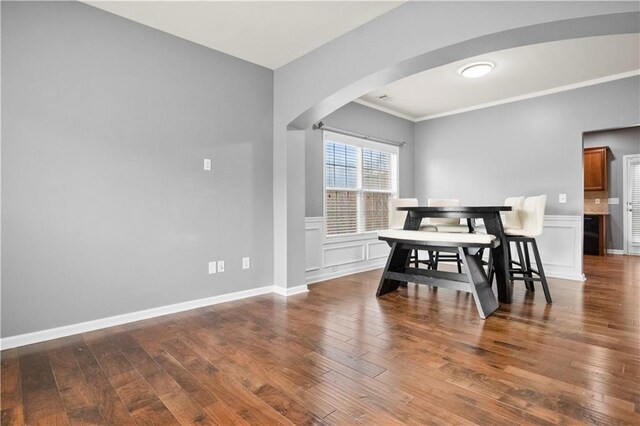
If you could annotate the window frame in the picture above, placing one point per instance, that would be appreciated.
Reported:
(360, 144)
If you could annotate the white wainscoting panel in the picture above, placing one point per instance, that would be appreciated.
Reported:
(314, 233)
(334, 257)
(378, 250)
(560, 248)
(337, 255)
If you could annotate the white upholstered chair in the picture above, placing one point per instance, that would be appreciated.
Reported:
(397, 217)
(396, 221)
(531, 217)
(512, 218)
(445, 224)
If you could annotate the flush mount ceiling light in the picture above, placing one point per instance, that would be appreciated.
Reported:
(476, 69)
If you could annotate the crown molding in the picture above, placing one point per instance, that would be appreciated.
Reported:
(384, 109)
(532, 95)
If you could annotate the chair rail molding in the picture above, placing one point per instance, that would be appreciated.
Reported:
(331, 257)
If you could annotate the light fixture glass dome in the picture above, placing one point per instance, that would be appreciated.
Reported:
(476, 69)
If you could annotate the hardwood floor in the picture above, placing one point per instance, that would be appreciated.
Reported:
(338, 355)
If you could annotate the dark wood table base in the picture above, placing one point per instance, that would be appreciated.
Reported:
(490, 215)
(474, 280)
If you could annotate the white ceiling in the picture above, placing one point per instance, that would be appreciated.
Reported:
(519, 73)
(267, 33)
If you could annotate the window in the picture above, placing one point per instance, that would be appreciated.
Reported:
(360, 178)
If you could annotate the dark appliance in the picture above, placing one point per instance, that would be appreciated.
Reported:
(592, 234)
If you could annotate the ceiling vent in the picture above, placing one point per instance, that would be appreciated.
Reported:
(385, 98)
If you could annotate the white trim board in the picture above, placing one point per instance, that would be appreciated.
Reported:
(615, 251)
(83, 327)
(626, 226)
(284, 291)
(353, 269)
(384, 109)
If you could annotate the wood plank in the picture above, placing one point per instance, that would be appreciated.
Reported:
(41, 399)
(11, 389)
(102, 392)
(73, 388)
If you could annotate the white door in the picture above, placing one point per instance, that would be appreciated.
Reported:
(632, 203)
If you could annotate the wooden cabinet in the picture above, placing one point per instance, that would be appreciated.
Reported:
(596, 169)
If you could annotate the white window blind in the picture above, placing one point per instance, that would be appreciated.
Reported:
(360, 178)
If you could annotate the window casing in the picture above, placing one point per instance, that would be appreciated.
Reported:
(360, 177)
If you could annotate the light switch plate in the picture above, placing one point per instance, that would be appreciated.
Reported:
(212, 267)
(220, 265)
(207, 163)
(597, 200)
(562, 198)
(246, 262)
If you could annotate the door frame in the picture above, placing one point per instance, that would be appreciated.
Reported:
(626, 231)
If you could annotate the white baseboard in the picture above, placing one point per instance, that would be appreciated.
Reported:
(284, 291)
(83, 327)
(570, 277)
(615, 251)
(353, 269)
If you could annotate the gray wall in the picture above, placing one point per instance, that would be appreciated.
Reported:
(622, 142)
(521, 148)
(105, 206)
(360, 119)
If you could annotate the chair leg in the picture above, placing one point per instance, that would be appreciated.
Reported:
(416, 260)
(543, 277)
(437, 258)
(527, 259)
(523, 266)
(510, 255)
(431, 260)
(459, 263)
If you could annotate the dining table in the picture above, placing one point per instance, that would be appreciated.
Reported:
(492, 220)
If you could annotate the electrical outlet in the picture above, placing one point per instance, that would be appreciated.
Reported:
(597, 200)
(212, 267)
(246, 262)
(562, 198)
(207, 163)
(220, 265)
